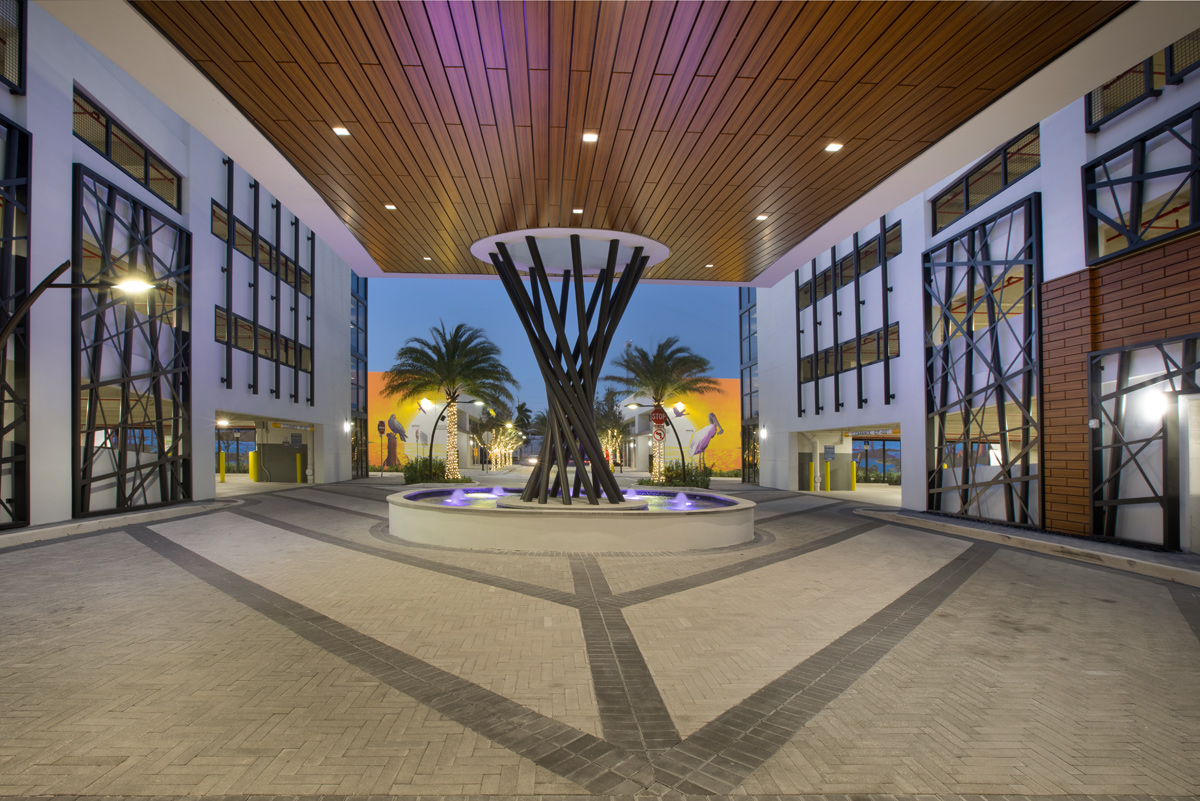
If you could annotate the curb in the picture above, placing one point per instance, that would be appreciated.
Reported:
(1117, 561)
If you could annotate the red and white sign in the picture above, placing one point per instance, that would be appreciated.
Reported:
(658, 416)
(658, 434)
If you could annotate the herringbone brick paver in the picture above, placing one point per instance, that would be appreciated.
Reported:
(1039, 677)
(524, 648)
(297, 652)
(122, 675)
(712, 646)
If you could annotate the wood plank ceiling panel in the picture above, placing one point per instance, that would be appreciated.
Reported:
(469, 117)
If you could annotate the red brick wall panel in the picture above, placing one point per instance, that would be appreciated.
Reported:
(1145, 297)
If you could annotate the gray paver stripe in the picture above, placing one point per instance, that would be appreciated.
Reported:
(559, 797)
(633, 714)
(1188, 601)
(297, 499)
(725, 751)
(512, 585)
(673, 586)
(562, 749)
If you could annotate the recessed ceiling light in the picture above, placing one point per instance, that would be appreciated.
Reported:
(708, 266)
(591, 137)
(389, 206)
(577, 211)
(428, 258)
(342, 131)
(761, 217)
(832, 147)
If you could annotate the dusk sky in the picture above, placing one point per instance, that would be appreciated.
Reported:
(703, 317)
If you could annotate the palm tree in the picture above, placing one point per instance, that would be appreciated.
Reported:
(523, 419)
(462, 362)
(672, 369)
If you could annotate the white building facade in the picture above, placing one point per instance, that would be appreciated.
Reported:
(247, 318)
(983, 337)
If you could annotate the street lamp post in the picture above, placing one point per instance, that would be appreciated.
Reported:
(131, 285)
(427, 405)
(679, 442)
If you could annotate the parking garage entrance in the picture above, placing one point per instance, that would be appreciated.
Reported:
(260, 451)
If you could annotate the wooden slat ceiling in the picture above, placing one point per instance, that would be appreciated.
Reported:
(469, 117)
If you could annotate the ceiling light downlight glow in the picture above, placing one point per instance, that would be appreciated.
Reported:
(832, 147)
(761, 217)
(577, 211)
(341, 131)
(591, 137)
(390, 206)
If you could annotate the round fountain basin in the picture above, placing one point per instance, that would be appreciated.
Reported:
(650, 520)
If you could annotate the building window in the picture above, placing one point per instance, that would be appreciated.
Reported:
(1135, 481)
(1141, 192)
(358, 376)
(97, 128)
(1183, 57)
(1001, 169)
(12, 45)
(877, 461)
(981, 370)
(132, 406)
(14, 358)
(1125, 91)
(748, 326)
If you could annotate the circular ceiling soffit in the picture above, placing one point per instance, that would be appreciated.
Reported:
(554, 245)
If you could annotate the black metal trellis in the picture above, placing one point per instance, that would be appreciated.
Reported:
(1119, 456)
(14, 357)
(981, 356)
(132, 447)
(571, 371)
(1130, 220)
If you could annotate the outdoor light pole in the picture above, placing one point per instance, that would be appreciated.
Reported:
(22, 309)
(682, 457)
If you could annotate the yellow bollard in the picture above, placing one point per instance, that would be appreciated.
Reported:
(812, 477)
(252, 465)
(299, 472)
(221, 457)
(853, 476)
(827, 487)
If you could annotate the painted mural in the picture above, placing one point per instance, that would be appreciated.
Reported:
(709, 427)
(406, 427)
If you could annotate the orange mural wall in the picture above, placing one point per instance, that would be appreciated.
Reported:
(406, 427)
(709, 428)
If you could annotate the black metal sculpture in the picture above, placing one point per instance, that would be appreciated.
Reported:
(571, 370)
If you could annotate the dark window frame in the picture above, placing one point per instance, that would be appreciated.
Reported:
(18, 87)
(962, 183)
(1148, 91)
(1136, 148)
(109, 124)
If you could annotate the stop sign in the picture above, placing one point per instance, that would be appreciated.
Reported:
(658, 416)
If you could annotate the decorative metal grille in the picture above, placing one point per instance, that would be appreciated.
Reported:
(358, 376)
(132, 411)
(981, 356)
(1183, 57)
(12, 44)
(1141, 192)
(1002, 168)
(1125, 91)
(1135, 450)
(14, 357)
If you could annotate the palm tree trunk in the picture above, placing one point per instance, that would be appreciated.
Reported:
(452, 440)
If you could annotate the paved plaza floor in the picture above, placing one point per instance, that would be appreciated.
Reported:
(285, 644)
